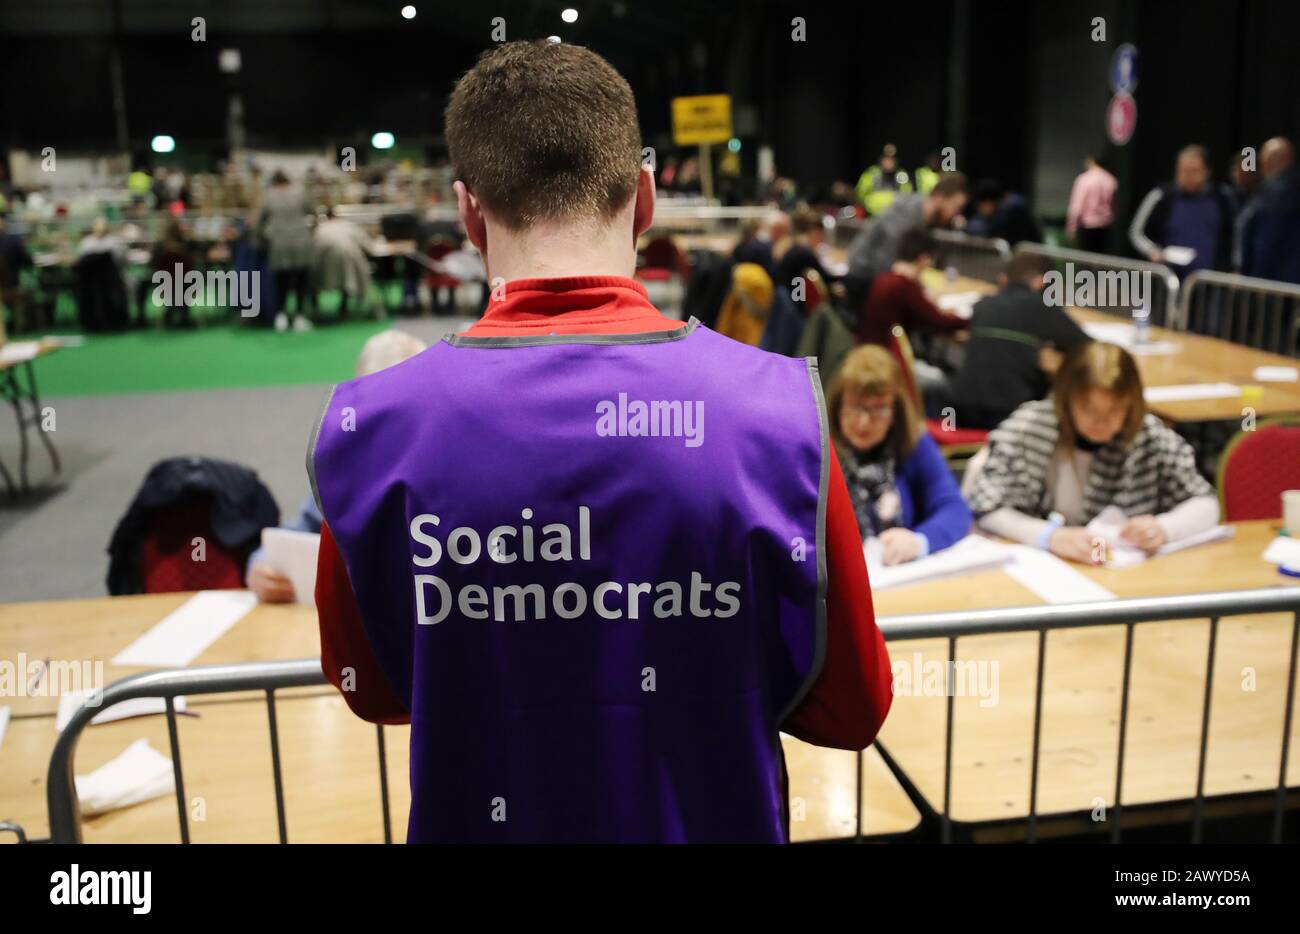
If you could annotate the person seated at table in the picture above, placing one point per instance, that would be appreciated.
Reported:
(896, 297)
(1056, 463)
(385, 349)
(748, 304)
(900, 485)
(796, 255)
(1015, 346)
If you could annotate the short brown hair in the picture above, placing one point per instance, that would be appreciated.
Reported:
(545, 130)
(1098, 365)
(949, 184)
(872, 371)
(1025, 267)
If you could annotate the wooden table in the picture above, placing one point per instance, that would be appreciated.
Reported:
(1196, 359)
(329, 755)
(992, 743)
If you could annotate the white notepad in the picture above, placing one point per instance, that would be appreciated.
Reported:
(185, 633)
(4, 723)
(293, 554)
(1109, 524)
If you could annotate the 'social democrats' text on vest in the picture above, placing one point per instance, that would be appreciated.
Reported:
(508, 544)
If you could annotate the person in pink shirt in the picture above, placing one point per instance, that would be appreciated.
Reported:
(1091, 209)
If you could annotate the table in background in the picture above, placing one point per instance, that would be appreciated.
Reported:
(18, 388)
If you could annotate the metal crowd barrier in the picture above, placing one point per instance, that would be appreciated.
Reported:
(1259, 313)
(268, 677)
(977, 257)
(1163, 300)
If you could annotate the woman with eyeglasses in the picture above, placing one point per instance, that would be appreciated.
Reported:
(902, 489)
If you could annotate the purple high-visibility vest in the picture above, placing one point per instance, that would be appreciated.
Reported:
(593, 567)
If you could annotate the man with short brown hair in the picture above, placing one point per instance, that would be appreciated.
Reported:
(596, 557)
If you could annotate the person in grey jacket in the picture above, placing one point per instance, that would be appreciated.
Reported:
(875, 248)
(285, 225)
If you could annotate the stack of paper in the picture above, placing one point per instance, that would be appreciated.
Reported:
(1276, 374)
(972, 553)
(4, 722)
(140, 773)
(1121, 553)
(961, 304)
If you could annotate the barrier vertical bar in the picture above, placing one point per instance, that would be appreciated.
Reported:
(1199, 806)
(275, 764)
(1279, 807)
(181, 811)
(1038, 732)
(1125, 685)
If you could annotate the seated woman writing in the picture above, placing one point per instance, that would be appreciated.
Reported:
(901, 487)
(1055, 464)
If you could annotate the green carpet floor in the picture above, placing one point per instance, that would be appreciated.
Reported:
(218, 356)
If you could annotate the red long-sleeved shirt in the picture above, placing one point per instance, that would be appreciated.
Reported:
(850, 698)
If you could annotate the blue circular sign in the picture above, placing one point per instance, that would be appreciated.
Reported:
(1124, 69)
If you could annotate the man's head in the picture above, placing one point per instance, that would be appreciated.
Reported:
(946, 200)
(1025, 269)
(544, 133)
(889, 158)
(1192, 170)
(807, 223)
(1276, 156)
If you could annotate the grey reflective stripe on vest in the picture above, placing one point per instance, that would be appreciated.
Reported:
(645, 337)
(311, 451)
(819, 652)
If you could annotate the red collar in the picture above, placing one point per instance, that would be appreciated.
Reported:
(572, 305)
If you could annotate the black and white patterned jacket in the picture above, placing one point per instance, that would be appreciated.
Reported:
(1151, 475)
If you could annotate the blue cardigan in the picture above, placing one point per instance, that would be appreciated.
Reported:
(930, 502)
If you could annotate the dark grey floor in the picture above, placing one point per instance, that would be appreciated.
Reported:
(55, 544)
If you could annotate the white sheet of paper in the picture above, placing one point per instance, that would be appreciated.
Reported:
(4, 723)
(1110, 522)
(1191, 391)
(293, 554)
(972, 553)
(1178, 255)
(1283, 550)
(187, 631)
(1118, 332)
(141, 706)
(1051, 578)
(139, 773)
(1276, 374)
(18, 351)
(961, 304)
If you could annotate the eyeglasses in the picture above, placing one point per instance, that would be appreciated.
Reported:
(882, 412)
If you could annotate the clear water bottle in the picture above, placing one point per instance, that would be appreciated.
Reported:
(1141, 325)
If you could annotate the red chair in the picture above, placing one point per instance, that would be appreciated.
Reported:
(661, 260)
(167, 552)
(436, 250)
(957, 444)
(1256, 467)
